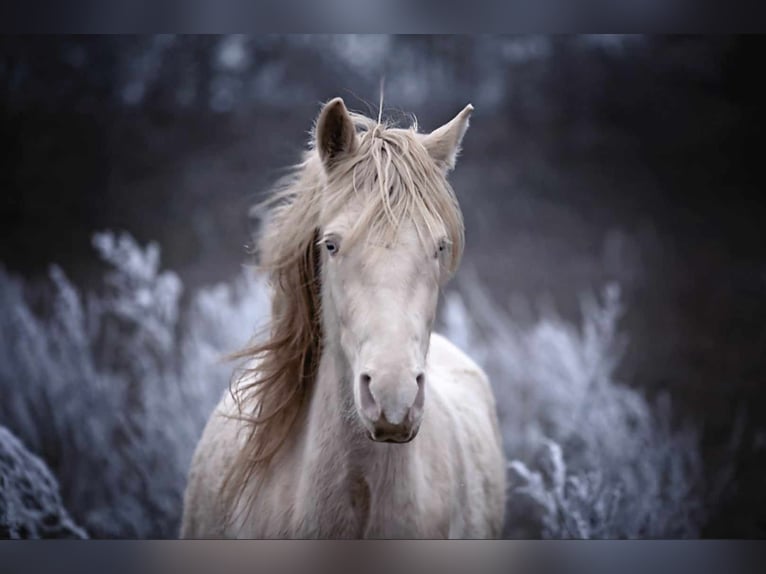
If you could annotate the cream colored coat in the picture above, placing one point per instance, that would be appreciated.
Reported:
(371, 211)
(332, 481)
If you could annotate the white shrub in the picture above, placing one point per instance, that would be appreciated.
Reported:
(113, 388)
(591, 457)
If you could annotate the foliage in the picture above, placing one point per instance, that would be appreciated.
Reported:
(591, 457)
(30, 504)
(112, 388)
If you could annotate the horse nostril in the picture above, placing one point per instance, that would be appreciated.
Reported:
(368, 404)
(420, 397)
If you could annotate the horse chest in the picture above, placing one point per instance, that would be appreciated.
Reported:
(359, 498)
(356, 506)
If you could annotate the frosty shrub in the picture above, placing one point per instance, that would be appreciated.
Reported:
(112, 389)
(591, 457)
(30, 504)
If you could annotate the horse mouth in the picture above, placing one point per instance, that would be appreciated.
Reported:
(392, 438)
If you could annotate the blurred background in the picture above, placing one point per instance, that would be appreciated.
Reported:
(631, 162)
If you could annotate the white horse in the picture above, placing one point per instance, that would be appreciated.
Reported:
(353, 419)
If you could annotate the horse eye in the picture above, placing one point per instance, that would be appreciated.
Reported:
(331, 246)
(442, 246)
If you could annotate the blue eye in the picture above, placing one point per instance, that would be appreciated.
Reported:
(440, 249)
(331, 246)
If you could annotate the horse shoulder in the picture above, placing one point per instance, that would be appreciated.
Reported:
(205, 510)
(469, 408)
(449, 362)
(203, 515)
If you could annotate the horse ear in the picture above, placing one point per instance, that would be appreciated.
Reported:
(443, 144)
(335, 132)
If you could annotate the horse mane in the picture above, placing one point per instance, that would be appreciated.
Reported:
(400, 182)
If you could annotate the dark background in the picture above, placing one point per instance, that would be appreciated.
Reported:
(591, 158)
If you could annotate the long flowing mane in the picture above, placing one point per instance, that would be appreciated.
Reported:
(399, 182)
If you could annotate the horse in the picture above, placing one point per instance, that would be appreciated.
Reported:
(351, 417)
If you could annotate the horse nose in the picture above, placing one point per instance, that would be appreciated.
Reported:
(391, 420)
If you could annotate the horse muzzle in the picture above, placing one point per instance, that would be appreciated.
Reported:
(391, 416)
